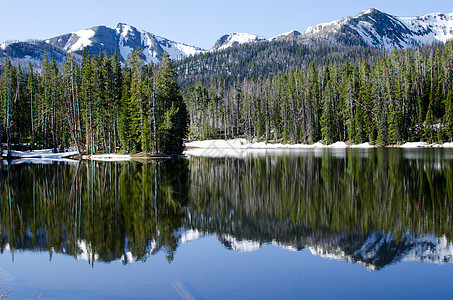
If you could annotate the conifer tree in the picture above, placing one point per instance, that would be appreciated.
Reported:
(173, 115)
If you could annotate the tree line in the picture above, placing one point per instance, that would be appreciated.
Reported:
(96, 105)
(402, 96)
(253, 60)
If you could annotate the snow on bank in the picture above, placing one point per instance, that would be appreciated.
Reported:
(45, 153)
(415, 145)
(245, 144)
(243, 148)
(362, 146)
(44, 156)
(108, 157)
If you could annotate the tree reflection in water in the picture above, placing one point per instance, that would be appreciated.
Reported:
(374, 206)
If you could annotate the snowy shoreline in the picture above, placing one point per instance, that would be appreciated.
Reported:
(208, 148)
(243, 146)
(242, 143)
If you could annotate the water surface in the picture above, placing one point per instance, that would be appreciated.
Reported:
(310, 224)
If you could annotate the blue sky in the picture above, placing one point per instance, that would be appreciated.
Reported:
(194, 22)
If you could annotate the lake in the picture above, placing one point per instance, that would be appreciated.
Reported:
(300, 224)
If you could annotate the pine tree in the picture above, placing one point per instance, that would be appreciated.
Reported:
(173, 115)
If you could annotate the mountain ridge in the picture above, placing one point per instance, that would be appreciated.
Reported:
(369, 28)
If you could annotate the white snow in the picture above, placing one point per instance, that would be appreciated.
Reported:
(128, 258)
(338, 145)
(4, 45)
(123, 30)
(86, 252)
(151, 44)
(108, 157)
(440, 252)
(282, 35)
(45, 153)
(414, 145)
(45, 156)
(242, 148)
(177, 50)
(242, 245)
(440, 25)
(426, 248)
(190, 235)
(322, 29)
(426, 29)
(363, 145)
(239, 38)
(84, 39)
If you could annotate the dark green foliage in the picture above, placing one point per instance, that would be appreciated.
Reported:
(173, 116)
(400, 96)
(97, 106)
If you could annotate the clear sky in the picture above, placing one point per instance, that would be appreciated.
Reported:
(194, 22)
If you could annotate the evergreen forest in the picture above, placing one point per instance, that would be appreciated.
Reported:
(98, 105)
(384, 98)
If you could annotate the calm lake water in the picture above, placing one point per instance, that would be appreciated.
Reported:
(312, 224)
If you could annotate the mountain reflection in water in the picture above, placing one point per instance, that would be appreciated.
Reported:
(375, 207)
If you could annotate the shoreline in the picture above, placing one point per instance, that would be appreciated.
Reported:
(241, 147)
(209, 148)
(241, 143)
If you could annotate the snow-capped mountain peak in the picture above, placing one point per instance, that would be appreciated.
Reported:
(123, 39)
(374, 28)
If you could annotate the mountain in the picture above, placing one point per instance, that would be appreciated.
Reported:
(233, 39)
(374, 28)
(370, 28)
(123, 39)
(31, 51)
(378, 250)
(352, 39)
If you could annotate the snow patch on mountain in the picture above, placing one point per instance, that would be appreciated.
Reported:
(286, 35)
(377, 29)
(323, 30)
(433, 249)
(236, 38)
(83, 40)
(431, 27)
(122, 39)
(426, 248)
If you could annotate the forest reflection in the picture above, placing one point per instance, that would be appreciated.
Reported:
(327, 201)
